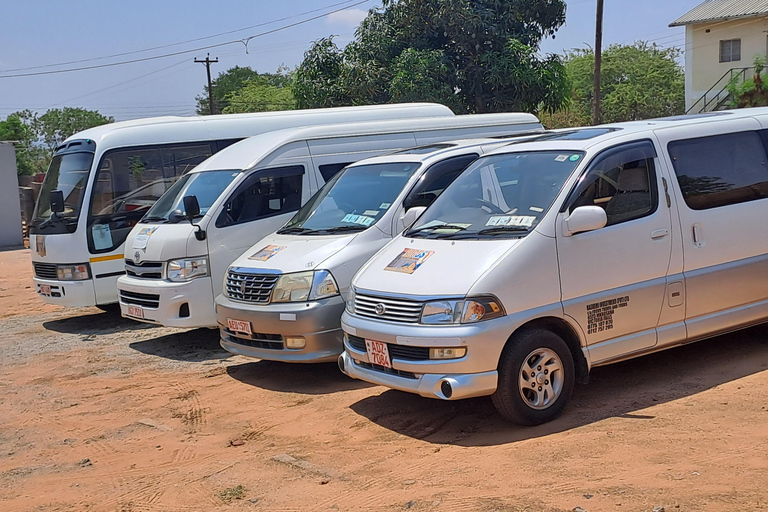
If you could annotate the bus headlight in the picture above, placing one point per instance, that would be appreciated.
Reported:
(461, 311)
(304, 286)
(77, 272)
(186, 269)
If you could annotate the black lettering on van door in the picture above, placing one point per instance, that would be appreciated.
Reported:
(600, 314)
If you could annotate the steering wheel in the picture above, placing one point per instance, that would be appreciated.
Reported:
(493, 207)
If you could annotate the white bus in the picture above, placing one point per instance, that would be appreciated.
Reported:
(104, 179)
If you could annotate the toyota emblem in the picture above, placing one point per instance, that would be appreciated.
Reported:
(381, 309)
(137, 257)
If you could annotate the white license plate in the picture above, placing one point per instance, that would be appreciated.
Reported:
(239, 326)
(378, 353)
(135, 311)
(45, 289)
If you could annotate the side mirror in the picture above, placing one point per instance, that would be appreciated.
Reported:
(584, 218)
(57, 201)
(176, 216)
(410, 216)
(191, 207)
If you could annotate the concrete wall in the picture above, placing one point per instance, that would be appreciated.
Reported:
(702, 56)
(10, 209)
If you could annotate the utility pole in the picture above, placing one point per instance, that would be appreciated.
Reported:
(596, 116)
(208, 63)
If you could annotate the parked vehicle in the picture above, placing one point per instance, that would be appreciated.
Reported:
(283, 298)
(101, 181)
(177, 256)
(545, 259)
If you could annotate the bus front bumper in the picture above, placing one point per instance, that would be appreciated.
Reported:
(73, 294)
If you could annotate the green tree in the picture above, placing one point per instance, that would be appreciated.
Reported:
(234, 80)
(57, 124)
(30, 158)
(638, 81)
(752, 91)
(263, 93)
(471, 56)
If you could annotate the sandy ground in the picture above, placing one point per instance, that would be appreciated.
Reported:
(99, 413)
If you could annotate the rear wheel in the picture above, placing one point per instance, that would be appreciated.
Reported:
(536, 377)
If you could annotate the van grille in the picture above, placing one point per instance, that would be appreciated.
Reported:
(45, 270)
(395, 310)
(403, 352)
(256, 340)
(145, 269)
(145, 300)
(247, 287)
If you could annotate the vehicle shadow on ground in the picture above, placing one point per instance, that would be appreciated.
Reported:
(193, 346)
(98, 322)
(310, 379)
(616, 391)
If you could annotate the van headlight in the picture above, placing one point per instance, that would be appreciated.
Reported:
(461, 311)
(304, 286)
(76, 272)
(186, 269)
(350, 305)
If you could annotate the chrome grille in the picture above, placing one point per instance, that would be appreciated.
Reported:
(395, 310)
(145, 269)
(45, 270)
(249, 287)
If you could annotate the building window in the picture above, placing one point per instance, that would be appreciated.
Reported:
(730, 50)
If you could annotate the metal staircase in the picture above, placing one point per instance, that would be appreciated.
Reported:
(718, 97)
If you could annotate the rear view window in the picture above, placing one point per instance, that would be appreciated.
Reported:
(720, 170)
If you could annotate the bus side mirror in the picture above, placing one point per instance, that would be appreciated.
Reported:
(57, 201)
(191, 207)
(584, 218)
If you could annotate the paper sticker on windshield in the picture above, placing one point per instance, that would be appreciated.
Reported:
(102, 237)
(140, 242)
(267, 252)
(409, 261)
(358, 219)
(371, 213)
(561, 158)
(384, 206)
(40, 245)
(511, 220)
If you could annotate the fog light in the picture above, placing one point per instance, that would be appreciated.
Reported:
(295, 342)
(447, 353)
(446, 389)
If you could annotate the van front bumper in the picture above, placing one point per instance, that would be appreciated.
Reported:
(318, 322)
(73, 294)
(161, 302)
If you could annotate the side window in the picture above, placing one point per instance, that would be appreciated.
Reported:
(328, 171)
(177, 161)
(622, 181)
(720, 170)
(435, 179)
(264, 193)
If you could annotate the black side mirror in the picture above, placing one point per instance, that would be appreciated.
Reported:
(191, 207)
(57, 201)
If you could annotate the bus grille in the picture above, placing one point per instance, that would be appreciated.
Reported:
(45, 270)
(249, 287)
(394, 310)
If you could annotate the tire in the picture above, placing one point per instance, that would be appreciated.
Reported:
(551, 382)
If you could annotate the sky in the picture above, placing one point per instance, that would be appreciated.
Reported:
(155, 42)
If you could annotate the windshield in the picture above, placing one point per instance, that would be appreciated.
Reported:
(68, 173)
(353, 200)
(498, 196)
(206, 186)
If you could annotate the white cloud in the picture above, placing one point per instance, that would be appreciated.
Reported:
(348, 17)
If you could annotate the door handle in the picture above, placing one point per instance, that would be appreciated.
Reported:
(659, 233)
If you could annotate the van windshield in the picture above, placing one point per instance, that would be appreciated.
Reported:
(353, 200)
(206, 186)
(501, 196)
(68, 173)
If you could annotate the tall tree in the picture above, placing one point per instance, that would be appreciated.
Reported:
(231, 81)
(57, 124)
(30, 158)
(473, 56)
(258, 95)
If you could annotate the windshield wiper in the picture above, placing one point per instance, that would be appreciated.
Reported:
(293, 230)
(154, 219)
(439, 226)
(342, 228)
(503, 229)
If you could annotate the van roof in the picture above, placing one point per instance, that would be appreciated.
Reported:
(158, 130)
(249, 152)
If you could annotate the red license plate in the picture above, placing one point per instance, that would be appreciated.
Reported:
(135, 311)
(239, 326)
(378, 353)
(45, 289)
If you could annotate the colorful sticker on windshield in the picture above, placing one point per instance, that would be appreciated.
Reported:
(267, 252)
(141, 240)
(574, 158)
(40, 245)
(102, 237)
(358, 219)
(511, 220)
(409, 261)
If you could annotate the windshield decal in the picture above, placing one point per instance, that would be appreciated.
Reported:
(40, 245)
(511, 220)
(409, 261)
(141, 240)
(102, 237)
(384, 206)
(267, 252)
(371, 213)
(561, 158)
(358, 219)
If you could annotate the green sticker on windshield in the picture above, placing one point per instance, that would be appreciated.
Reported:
(574, 158)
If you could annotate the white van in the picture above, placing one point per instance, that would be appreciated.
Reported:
(104, 179)
(175, 267)
(283, 298)
(545, 259)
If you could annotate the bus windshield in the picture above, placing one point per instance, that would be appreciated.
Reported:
(353, 200)
(68, 173)
(206, 186)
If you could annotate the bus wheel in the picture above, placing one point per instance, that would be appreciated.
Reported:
(536, 376)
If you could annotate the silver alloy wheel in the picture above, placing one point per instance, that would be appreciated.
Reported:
(541, 378)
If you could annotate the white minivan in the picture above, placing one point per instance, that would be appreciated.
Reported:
(545, 259)
(283, 298)
(177, 256)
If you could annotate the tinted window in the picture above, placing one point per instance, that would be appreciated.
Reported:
(622, 181)
(720, 170)
(328, 171)
(434, 180)
(263, 194)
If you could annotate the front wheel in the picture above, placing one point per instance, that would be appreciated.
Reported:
(536, 377)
